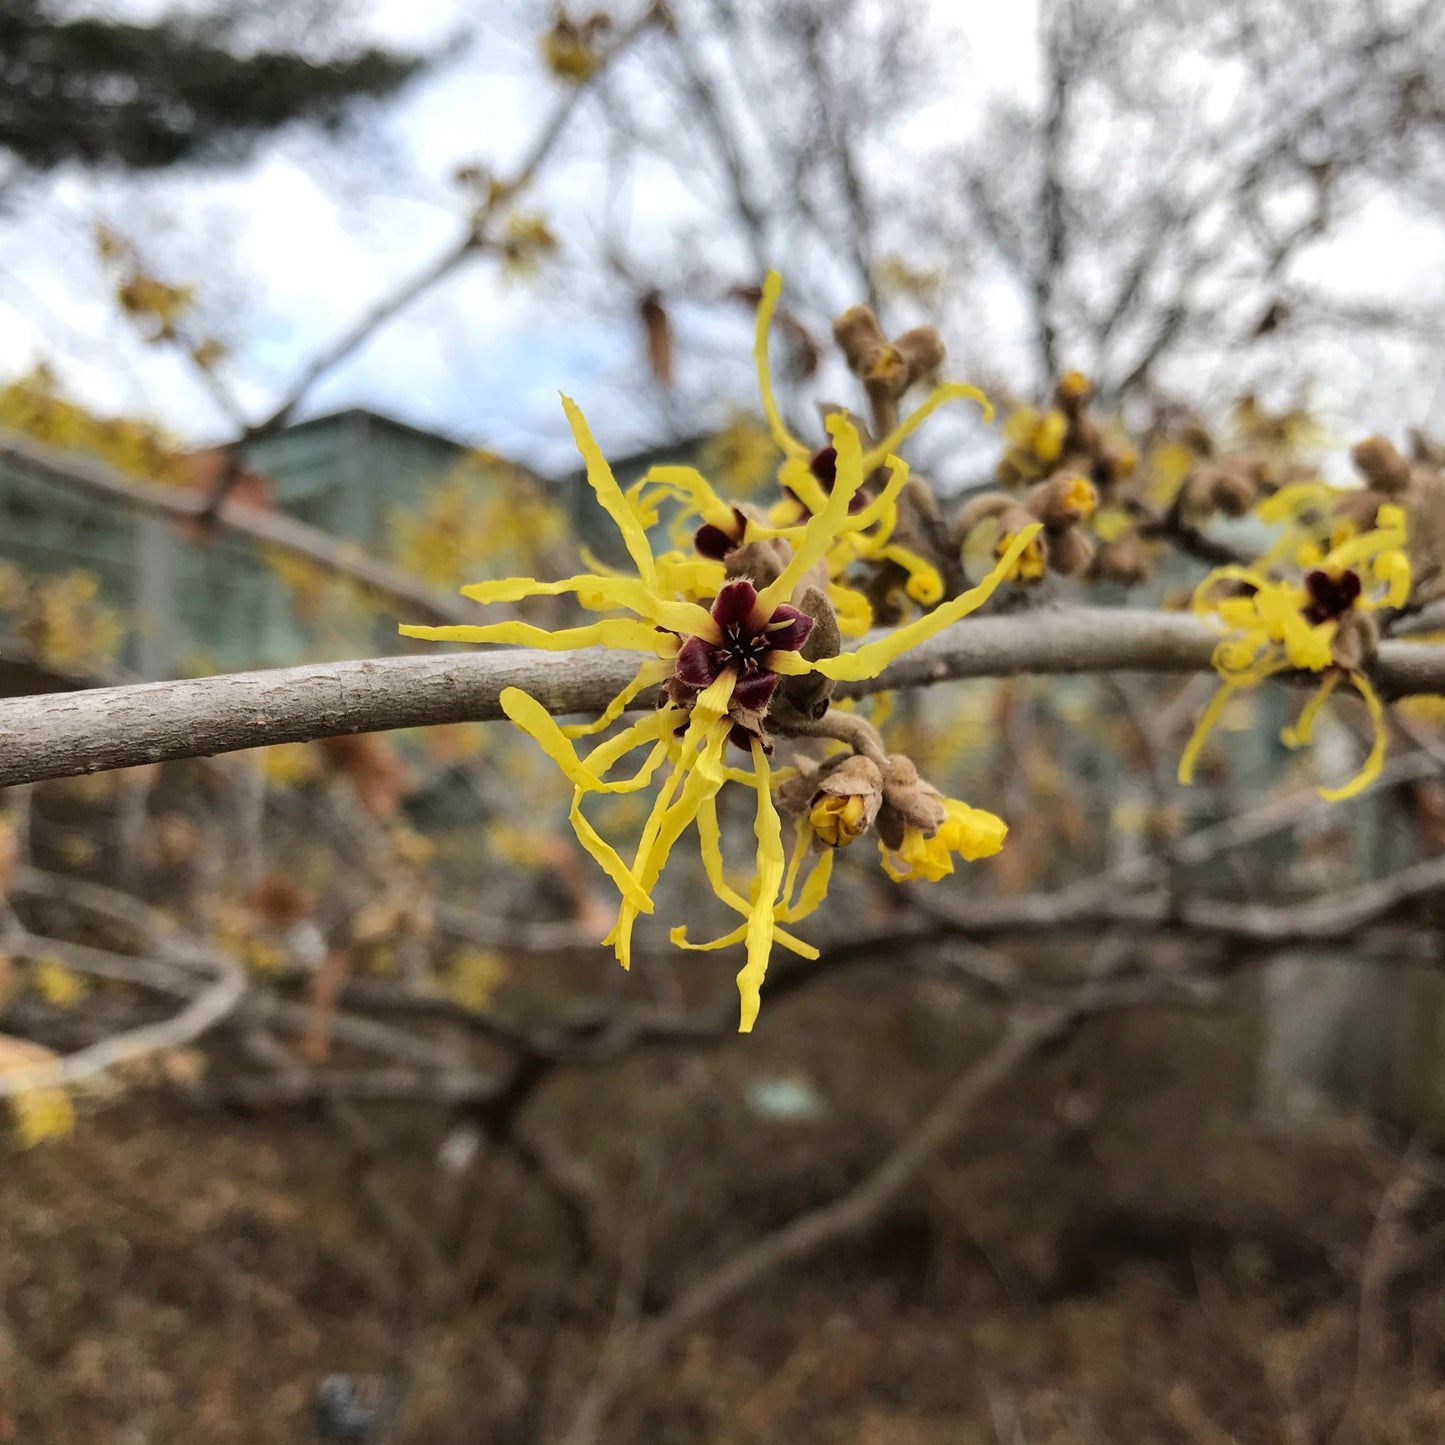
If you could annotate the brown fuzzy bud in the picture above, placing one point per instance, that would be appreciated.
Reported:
(761, 563)
(1426, 450)
(1235, 491)
(1009, 472)
(923, 351)
(1033, 563)
(1196, 436)
(1070, 552)
(1072, 393)
(1118, 461)
(1356, 642)
(808, 695)
(859, 337)
(908, 802)
(795, 794)
(1358, 509)
(846, 802)
(1229, 487)
(1381, 465)
(1125, 559)
(1063, 501)
(886, 368)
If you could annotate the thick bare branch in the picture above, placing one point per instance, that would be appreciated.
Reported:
(59, 735)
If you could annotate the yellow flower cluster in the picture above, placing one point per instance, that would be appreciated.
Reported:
(972, 833)
(1314, 622)
(722, 662)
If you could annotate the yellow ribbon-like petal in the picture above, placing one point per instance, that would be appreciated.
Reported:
(767, 829)
(1202, 729)
(609, 494)
(788, 444)
(824, 528)
(939, 396)
(692, 486)
(852, 609)
(607, 857)
(1301, 733)
(1376, 760)
(620, 633)
(870, 659)
(652, 671)
(884, 505)
(598, 594)
(710, 845)
(924, 585)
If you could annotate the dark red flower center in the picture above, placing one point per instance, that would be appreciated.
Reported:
(716, 542)
(1330, 597)
(824, 466)
(743, 646)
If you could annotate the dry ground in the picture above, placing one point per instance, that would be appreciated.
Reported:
(1116, 1251)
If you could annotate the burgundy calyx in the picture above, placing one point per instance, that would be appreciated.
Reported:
(716, 542)
(1330, 597)
(743, 646)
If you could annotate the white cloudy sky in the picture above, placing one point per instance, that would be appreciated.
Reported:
(291, 246)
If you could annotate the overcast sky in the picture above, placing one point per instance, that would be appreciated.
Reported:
(292, 245)
(289, 248)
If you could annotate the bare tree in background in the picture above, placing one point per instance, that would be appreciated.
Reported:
(1173, 201)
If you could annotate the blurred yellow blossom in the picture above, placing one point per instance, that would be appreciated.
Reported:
(56, 984)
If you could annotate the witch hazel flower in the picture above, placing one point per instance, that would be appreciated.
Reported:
(740, 659)
(1319, 622)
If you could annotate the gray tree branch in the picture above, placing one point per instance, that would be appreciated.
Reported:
(59, 735)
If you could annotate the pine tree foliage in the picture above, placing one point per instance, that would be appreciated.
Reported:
(94, 90)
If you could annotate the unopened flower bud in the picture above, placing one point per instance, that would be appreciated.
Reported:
(1063, 501)
(1033, 562)
(847, 801)
(887, 368)
(1070, 552)
(1227, 487)
(1356, 642)
(923, 351)
(1381, 465)
(1124, 559)
(1119, 461)
(809, 693)
(859, 337)
(1072, 392)
(760, 563)
(908, 802)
